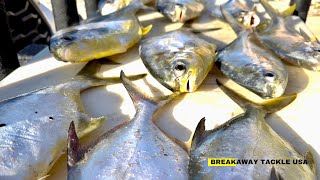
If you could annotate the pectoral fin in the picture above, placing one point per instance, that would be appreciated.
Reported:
(199, 133)
(74, 149)
(146, 30)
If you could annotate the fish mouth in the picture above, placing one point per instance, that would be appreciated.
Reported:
(189, 86)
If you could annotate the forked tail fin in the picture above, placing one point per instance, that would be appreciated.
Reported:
(268, 106)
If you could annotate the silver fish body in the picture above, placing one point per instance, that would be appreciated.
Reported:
(109, 6)
(247, 62)
(250, 64)
(283, 39)
(178, 60)
(134, 150)
(235, 7)
(99, 37)
(247, 137)
(34, 127)
(180, 10)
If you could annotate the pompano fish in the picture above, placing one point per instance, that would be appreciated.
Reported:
(136, 149)
(250, 64)
(179, 60)
(180, 10)
(109, 6)
(34, 126)
(99, 37)
(249, 137)
(236, 8)
(281, 37)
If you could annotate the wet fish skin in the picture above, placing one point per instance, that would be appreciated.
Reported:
(109, 6)
(247, 62)
(180, 10)
(281, 37)
(35, 125)
(99, 37)
(246, 136)
(179, 60)
(236, 8)
(136, 149)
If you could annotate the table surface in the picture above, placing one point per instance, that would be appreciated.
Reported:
(297, 123)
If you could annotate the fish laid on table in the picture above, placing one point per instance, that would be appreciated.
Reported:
(247, 62)
(180, 10)
(34, 126)
(179, 60)
(281, 37)
(136, 149)
(99, 37)
(236, 8)
(109, 6)
(247, 137)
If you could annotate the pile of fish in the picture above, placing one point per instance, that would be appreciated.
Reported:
(52, 118)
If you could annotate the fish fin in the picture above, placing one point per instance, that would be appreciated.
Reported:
(311, 160)
(235, 25)
(261, 27)
(289, 11)
(307, 37)
(269, 106)
(138, 96)
(196, 31)
(106, 60)
(199, 133)
(74, 149)
(87, 125)
(90, 79)
(269, 9)
(274, 175)
(146, 30)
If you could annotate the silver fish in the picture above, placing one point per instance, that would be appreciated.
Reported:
(34, 126)
(281, 37)
(99, 37)
(247, 136)
(137, 149)
(179, 60)
(109, 6)
(180, 10)
(250, 64)
(236, 8)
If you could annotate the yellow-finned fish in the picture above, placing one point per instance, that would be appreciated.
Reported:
(109, 6)
(99, 37)
(179, 60)
(180, 10)
(292, 45)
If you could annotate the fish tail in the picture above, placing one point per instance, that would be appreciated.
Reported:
(139, 98)
(89, 78)
(74, 150)
(269, 106)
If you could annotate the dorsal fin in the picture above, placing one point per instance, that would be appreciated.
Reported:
(199, 133)
(268, 106)
(235, 25)
(274, 175)
(74, 149)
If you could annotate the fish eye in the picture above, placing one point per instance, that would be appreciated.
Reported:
(269, 75)
(180, 67)
(67, 38)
